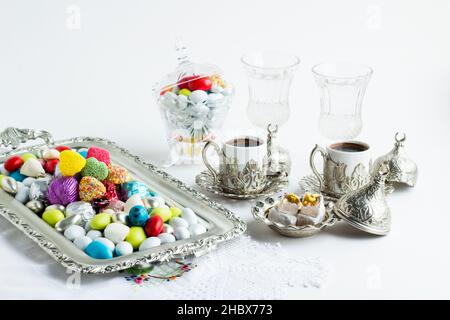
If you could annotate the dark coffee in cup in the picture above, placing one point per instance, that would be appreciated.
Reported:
(245, 142)
(349, 147)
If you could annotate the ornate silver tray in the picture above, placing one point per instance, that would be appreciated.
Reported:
(205, 180)
(261, 209)
(221, 223)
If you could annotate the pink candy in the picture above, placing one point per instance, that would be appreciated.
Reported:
(99, 154)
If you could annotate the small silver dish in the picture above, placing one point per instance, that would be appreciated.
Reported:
(274, 184)
(261, 209)
(310, 183)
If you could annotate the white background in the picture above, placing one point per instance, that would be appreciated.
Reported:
(87, 68)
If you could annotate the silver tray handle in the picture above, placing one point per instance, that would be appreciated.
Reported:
(13, 137)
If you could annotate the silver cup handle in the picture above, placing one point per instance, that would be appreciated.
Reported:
(317, 149)
(208, 165)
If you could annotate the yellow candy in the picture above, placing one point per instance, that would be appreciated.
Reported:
(71, 163)
(185, 92)
(100, 221)
(176, 212)
(27, 156)
(136, 236)
(1, 178)
(52, 217)
(163, 212)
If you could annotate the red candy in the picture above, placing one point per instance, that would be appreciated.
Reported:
(13, 163)
(111, 191)
(154, 226)
(184, 82)
(62, 148)
(50, 165)
(204, 84)
(99, 154)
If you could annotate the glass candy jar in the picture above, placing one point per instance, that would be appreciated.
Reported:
(194, 101)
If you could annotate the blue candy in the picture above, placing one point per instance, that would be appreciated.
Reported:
(83, 153)
(98, 250)
(138, 216)
(131, 188)
(16, 175)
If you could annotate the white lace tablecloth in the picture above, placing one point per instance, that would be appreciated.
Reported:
(241, 269)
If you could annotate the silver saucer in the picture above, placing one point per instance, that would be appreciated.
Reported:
(205, 180)
(311, 184)
(260, 211)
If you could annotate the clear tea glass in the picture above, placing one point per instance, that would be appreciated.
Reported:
(269, 75)
(342, 87)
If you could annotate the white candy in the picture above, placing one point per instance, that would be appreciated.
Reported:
(178, 222)
(106, 242)
(50, 154)
(124, 248)
(189, 215)
(32, 168)
(167, 228)
(3, 171)
(160, 200)
(109, 211)
(82, 242)
(94, 234)
(215, 98)
(198, 96)
(182, 101)
(134, 200)
(150, 243)
(169, 99)
(199, 109)
(74, 232)
(197, 229)
(23, 194)
(182, 233)
(216, 89)
(28, 181)
(116, 232)
(166, 238)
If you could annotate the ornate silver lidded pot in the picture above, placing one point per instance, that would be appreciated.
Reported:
(401, 168)
(366, 208)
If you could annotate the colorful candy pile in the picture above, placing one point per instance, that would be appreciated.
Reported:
(195, 104)
(94, 203)
(300, 211)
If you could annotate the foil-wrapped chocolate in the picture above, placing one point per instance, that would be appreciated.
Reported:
(63, 190)
(84, 209)
(120, 217)
(63, 224)
(131, 188)
(36, 206)
(38, 190)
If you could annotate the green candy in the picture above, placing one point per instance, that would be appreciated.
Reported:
(95, 168)
(163, 212)
(136, 236)
(52, 217)
(100, 221)
(27, 156)
(175, 211)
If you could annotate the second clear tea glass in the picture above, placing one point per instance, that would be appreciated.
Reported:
(342, 87)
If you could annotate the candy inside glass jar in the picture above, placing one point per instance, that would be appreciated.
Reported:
(194, 101)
